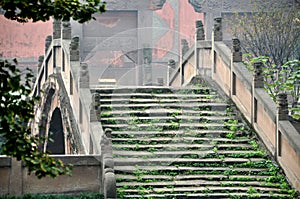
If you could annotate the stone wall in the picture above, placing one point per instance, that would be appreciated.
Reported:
(86, 177)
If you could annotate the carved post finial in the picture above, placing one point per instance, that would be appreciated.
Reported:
(48, 42)
(40, 62)
(84, 78)
(185, 46)
(171, 63)
(218, 35)
(282, 106)
(74, 49)
(237, 55)
(66, 30)
(258, 78)
(200, 35)
(56, 29)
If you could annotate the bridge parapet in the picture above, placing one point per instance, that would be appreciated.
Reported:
(214, 60)
(71, 94)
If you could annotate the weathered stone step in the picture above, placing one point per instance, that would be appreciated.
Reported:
(179, 146)
(212, 184)
(176, 125)
(164, 111)
(172, 133)
(116, 100)
(186, 138)
(141, 161)
(217, 105)
(185, 168)
(149, 89)
(192, 195)
(127, 118)
(178, 153)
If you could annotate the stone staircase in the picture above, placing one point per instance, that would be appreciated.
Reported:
(185, 143)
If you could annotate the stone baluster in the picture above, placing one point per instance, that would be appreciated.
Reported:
(185, 46)
(94, 113)
(84, 78)
(237, 55)
(172, 63)
(258, 78)
(66, 30)
(200, 35)
(48, 43)
(74, 49)
(282, 106)
(217, 29)
(56, 29)
(40, 62)
(108, 177)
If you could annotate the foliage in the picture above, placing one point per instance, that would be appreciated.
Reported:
(42, 10)
(285, 78)
(273, 31)
(16, 111)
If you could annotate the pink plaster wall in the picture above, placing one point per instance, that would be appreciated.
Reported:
(23, 40)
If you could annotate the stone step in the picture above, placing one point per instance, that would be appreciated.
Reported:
(176, 125)
(118, 99)
(177, 153)
(185, 168)
(149, 89)
(199, 182)
(163, 111)
(192, 195)
(180, 146)
(171, 133)
(127, 118)
(186, 138)
(162, 161)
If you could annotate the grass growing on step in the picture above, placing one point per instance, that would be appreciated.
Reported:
(218, 163)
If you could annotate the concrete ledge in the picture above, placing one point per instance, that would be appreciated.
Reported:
(204, 45)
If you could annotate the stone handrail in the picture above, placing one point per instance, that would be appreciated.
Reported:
(215, 61)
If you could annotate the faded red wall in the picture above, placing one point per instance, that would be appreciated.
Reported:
(23, 40)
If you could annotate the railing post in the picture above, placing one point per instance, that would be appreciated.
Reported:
(74, 49)
(48, 43)
(84, 78)
(56, 29)
(281, 114)
(199, 36)
(257, 82)
(66, 30)
(217, 30)
(171, 67)
(236, 56)
(108, 174)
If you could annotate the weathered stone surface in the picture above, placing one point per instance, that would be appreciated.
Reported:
(237, 55)
(185, 46)
(48, 42)
(282, 108)
(218, 34)
(200, 35)
(84, 78)
(56, 29)
(258, 78)
(66, 30)
(74, 49)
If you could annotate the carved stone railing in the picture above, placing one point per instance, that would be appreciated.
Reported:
(216, 61)
(108, 175)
